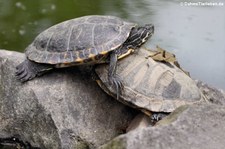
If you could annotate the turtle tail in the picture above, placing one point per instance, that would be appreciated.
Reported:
(28, 70)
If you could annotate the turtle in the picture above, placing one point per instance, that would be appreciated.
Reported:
(153, 87)
(87, 40)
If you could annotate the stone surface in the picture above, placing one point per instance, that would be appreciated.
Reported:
(62, 109)
(214, 95)
(65, 109)
(140, 121)
(195, 127)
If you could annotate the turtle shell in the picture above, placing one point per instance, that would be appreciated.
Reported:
(149, 85)
(85, 39)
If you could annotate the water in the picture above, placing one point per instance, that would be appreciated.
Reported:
(196, 34)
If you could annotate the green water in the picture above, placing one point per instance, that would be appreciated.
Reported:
(21, 21)
(194, 33)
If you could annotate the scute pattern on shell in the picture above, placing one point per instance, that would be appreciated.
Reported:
(79, 39)
(151, 85)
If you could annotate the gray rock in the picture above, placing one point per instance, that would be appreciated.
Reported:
(140, 121)
(62, 109)
(213, 94)
(195, 127)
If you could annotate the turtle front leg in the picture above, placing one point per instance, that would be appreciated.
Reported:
(28, 70)
(112, 76)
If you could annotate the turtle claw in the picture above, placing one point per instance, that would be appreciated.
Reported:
(28, 70)
(27, 77)
(20, 69)
(22, 76)
(116, 82)
(22, 72)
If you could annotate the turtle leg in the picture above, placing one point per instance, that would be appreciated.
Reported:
(28, 70)
(158, 116)
(112, 76)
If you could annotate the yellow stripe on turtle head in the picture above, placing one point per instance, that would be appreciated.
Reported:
(79, 60)
(129, 51)
(91, 55)
(104, 52)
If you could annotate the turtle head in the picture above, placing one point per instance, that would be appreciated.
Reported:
(139, 35)
(145, 33)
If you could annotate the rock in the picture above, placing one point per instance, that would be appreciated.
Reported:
(62, 109)
(214, 95)
(140, 121)
(172, 116)
(196, 127)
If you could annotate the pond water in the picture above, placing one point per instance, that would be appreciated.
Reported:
(194, 32)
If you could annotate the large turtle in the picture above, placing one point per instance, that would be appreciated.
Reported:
(81, 41)
(151, 86)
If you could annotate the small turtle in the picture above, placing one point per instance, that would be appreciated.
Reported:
(152, 87)
(86, 40)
